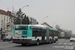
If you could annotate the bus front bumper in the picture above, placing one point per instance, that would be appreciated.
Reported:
(25, 42)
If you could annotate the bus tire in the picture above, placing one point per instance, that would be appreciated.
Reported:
(50, 41)
(23, 44)
(55, 41)
(37, 43)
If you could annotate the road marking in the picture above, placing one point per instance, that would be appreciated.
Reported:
(65, 43)
(58, 46)
(59, 43)
(54, 43)
(70, 43)
(69, 47)
(64, 47)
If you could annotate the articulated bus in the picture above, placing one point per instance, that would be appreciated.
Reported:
(34, 34)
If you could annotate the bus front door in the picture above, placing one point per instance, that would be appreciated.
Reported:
(43, 37)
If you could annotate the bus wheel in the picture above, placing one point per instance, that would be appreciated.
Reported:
(23, 44)
(37, 43)
(50, 42)
(55, 41)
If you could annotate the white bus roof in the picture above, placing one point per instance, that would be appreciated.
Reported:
(34, 25)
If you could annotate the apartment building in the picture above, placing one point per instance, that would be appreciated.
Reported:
(6, 22)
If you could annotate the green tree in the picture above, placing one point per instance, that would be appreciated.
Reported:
(28, 20)
(21, 18)
(17, 21)
(25, 20)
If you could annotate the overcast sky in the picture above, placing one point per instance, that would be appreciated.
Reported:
(59, 12)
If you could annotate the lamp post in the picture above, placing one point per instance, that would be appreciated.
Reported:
(21, 13)
(44, 18)
(25, 6)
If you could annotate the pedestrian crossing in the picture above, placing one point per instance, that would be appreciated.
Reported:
(59, 43)
(64, 43)
(66, 46)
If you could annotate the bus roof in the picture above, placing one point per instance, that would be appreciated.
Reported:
(37, 25)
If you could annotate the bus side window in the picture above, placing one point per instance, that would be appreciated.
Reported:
(34, 32)
(50, 33)
(44, 31)
(39, 32)
(55, 33)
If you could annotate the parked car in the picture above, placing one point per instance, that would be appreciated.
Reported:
(8, 38)
(72, 38)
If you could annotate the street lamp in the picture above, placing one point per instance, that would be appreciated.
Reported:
(25, 6)
(44, 18)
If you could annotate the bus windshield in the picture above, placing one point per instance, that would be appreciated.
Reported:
(21, 27)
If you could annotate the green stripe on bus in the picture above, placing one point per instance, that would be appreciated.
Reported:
(53, 29)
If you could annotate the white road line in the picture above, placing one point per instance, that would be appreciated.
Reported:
(64, 43)
(64, 47)
(69, 47)
(70, 43)
(59, 43)
(54, 43)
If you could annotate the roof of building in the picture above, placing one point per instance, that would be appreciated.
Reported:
(3, 12)
(6, 13)
(47, 24)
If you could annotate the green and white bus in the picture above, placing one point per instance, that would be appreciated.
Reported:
(34, 34)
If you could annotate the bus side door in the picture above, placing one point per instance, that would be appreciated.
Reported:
(43, 34)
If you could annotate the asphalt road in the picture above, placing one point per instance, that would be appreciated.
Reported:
(59, 45)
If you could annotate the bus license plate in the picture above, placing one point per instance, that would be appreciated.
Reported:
(20, 39)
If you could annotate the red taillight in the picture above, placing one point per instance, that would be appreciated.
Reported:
(26, 39)
(15, 39)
